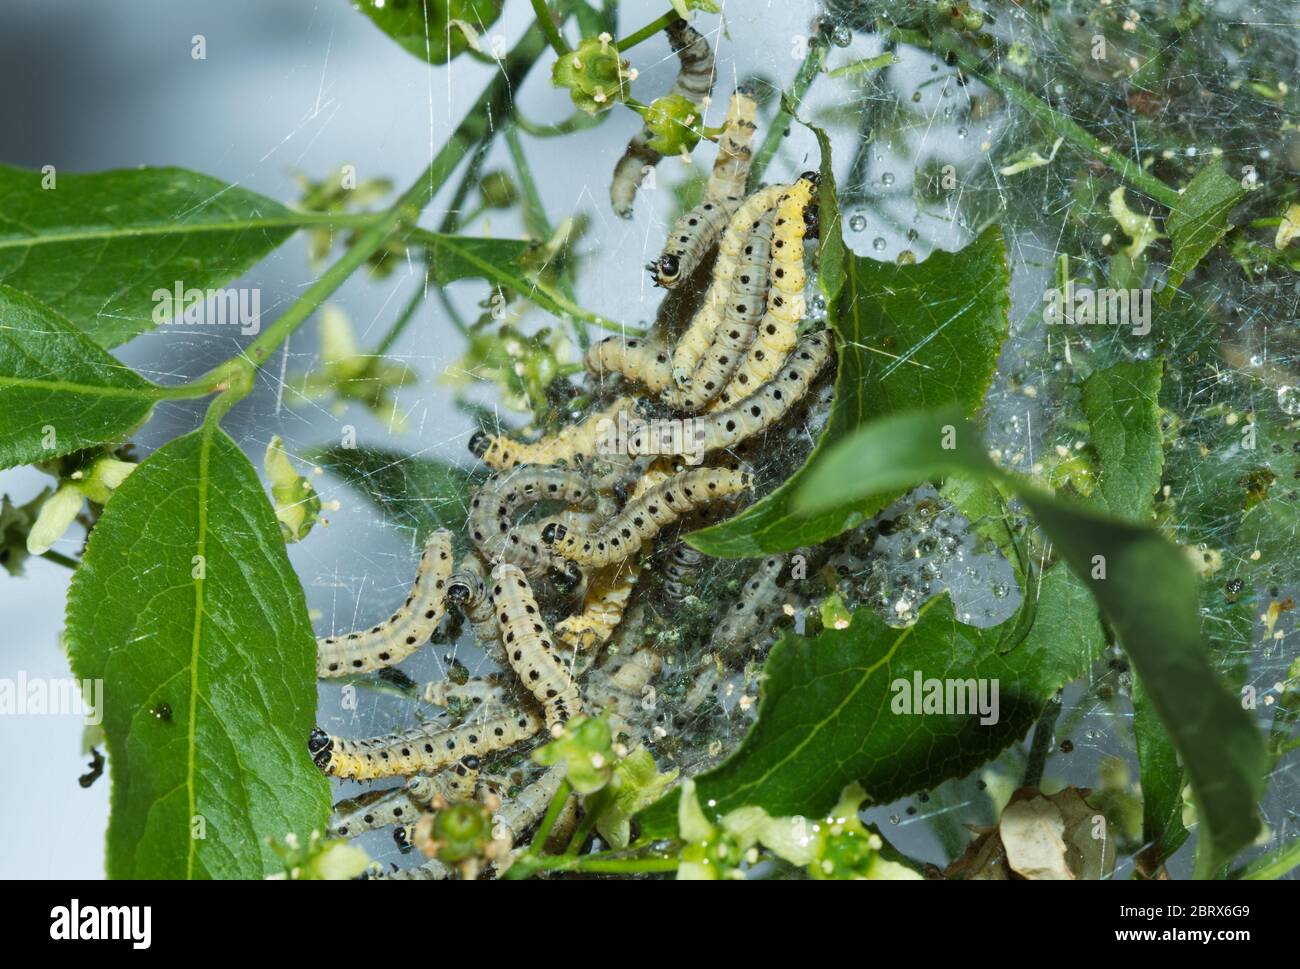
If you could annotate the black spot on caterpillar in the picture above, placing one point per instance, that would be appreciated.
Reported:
(405, 630)
(491, 519)
(528, 646)
(422, 749)
(779, 327)
(575, 441)
(643, 517)
(694, 82)
(694, 234)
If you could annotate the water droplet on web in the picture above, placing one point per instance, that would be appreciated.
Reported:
(887, 179)
(878, 243)
(841, 36)
(1288, 400)
(961, 132)
(858, 222)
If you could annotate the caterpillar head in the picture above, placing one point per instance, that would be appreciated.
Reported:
(400, 839)
(462, 589)
(554, 532)
(666, 270)
(478, 444)
(319, 746)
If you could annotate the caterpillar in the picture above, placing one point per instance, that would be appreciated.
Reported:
(740, 318)
(477, 692)
(694, 342)
(457, 783)
(371, 810)
(525, 809)
(727, 428)
(778, 331)
(422, 749)
(643, 517)
(405, 631)
(645, 362)
(577, 440)
(694, 82)
(745, 617)
(602, 608)
(682, 571)
(695, 232)
(528, 646)
(468, 592)
(490, 525)
(431, 870)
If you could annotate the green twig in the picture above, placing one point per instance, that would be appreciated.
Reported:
(405, 317)
(60, 559)
(608, 863)
(648, 31)
(552, 815)
(547, 23)
(807, 73)
(1067, 128)
(1272, 866)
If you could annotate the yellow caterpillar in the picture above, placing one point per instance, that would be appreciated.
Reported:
(602, 607)
(694, 234)
(692, 344)
(645, 362)
(735, 332)
(420, 750)
(641, 520)
(405, 631)
(528, 646)
(575, 441)
(779, 328)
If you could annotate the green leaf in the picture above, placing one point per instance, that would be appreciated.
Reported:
(1124, 424)
(827, 716)
(1121, 404)
(1146, 590)
(414, 492)
(96, 247)
(923, 335)
(1198, 221)
(209, 684)
(433, 30)
(59, 392)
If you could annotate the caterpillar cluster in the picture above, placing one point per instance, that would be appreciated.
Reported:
(736, 375)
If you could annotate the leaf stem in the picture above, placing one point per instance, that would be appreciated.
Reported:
(58, 558)
(1041, 743)
(405, 317)
(648, 31)
(1271, 866)
(547, 23)
(493, 103)
(807, 73)
(558, 800)
(1062, 125)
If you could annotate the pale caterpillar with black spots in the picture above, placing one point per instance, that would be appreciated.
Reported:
(778, 331)
(422, 749)
(575, 441)
(602, 607)
(491, 526)
(740, 318)
(738, 632)
(528, 646)
(695, 233)
(695, 341)
(645, 362)
(642, 519)
(402, 805)
(727, 428)
(694, 82)
(405, 631)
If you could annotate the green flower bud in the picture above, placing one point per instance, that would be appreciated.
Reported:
(498, 190)
(586, 748)
(297, 505)
(675, 122)
(594, 74)
(461, 831)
